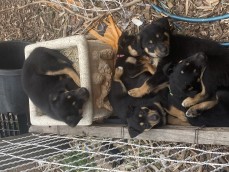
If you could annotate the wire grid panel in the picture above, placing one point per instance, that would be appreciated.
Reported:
(42, 152)
(9, 125)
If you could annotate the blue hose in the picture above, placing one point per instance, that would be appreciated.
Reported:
(189, 19)
(225, 44)
(192, 20)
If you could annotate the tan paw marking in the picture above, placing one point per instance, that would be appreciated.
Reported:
(188, 102)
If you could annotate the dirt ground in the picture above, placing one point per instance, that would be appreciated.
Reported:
(32, 21)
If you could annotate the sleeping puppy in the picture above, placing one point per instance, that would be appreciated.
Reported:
(164, 47)
(129, 48)
(52, 84)
(132, 111)
(185, 81)
(214, 76)
(129, 45)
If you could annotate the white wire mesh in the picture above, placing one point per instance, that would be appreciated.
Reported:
(42, 152)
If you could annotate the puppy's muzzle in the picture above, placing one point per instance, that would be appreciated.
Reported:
(82, 93)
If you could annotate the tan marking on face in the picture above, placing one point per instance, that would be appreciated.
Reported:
(152, 54)
(153, 113)
(162, 112)
(132, 51)
(157, 35)
(68, 97)
(150, 41)
(131, 60)
(140, 115)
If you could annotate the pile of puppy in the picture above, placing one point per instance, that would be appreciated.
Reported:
(160, 78)
(165, 78)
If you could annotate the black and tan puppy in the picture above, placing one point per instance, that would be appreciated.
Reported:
(185, 81)
(52, 84)
(132, 111)
(129, 45)
(129, 48)
(164, 47)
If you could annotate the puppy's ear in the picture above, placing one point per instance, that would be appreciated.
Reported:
(133, 132)
(130, 111)
(164, 23)
(168, 69)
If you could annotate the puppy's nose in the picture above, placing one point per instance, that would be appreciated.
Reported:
(83, 92)
(153, 117)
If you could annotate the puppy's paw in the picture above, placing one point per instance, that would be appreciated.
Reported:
(118, 73)
(136, 92)
(192, 112)
(188, 102)
(183, 118)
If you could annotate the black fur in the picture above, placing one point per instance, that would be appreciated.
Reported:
(181, 47)
(186, 84)
(58, 96)
(127, 42)
(126, 107)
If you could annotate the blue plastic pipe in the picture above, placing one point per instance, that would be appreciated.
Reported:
(192, 20)
(189, 19)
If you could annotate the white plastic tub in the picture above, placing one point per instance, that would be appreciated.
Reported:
(36, 116)
(90, 61)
